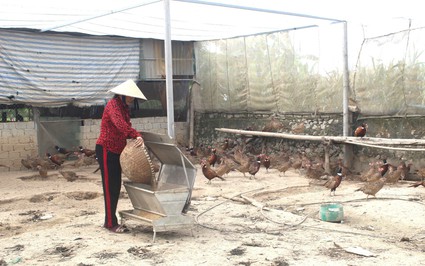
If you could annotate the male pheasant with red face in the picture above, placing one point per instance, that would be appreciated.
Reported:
(209, 173)
(361, 130)
(265, 160)
(212, 159)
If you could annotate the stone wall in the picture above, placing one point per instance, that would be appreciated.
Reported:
(19, 139)
(394, 128)
(317, 125)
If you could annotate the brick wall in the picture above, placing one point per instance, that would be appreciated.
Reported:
(19, 139)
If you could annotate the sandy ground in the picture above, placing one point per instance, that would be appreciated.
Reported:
(56, 222)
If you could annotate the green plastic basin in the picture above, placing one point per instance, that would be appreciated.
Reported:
(332, 212)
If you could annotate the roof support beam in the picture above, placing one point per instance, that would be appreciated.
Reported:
(145, 3)
(258, 9)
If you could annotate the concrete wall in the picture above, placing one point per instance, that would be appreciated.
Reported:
(19, 139)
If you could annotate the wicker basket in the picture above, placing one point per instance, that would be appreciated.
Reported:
(136, 164)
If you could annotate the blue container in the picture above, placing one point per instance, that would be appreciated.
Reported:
(332, 212)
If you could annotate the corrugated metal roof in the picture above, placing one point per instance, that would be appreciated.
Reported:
(57, 69)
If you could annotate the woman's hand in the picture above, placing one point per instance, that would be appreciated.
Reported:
(139, 142)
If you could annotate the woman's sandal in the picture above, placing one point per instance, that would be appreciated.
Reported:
(119, 229)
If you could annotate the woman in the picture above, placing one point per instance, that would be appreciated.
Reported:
(115, 129)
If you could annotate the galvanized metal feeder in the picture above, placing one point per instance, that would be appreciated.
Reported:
(163, 205)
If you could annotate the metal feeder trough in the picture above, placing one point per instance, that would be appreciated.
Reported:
(163, 207)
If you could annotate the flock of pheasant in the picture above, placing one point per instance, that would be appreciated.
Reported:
(233, 155)
(57, 161)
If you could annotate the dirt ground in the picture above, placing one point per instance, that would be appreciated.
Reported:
(269, 220)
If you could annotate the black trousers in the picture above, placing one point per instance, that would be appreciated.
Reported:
(110, 169)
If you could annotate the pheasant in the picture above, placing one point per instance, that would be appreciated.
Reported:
(209, 173)
(254, 167)
(42, 171)
(371, 188)
(334, 182)
(69, 175)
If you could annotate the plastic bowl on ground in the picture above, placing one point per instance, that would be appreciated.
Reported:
(332, 212)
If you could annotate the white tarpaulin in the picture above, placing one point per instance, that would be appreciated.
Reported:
(58, 69)
(190, 20)
(195, 19)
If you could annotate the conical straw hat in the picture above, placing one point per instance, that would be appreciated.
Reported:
(128, 88)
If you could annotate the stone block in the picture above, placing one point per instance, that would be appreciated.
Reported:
(95, 129)
(85, 129)
(147, 127)
(30, 133)
(8, 126)
(22, 125)
(18, 132)
(6, 148)
(4, 155)
(16, 156)
(160, 119)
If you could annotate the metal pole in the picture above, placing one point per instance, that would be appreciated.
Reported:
(348, 149)
(169, 71)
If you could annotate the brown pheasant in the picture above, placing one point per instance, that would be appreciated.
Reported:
(55, 158)
(371, 188)
(373, 169)
(265, 160)
(226, 165)
(314, 171)
(405, 169)
(254, 167)
(42, 171)
(273, 126)
(69, 175)
(393, 174)
(212, 159)
(360, 131)
(283, 167)
(87, 152)
(384, 167)
(334, 182)
(209, 173)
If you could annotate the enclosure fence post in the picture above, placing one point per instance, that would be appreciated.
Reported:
(347, 148)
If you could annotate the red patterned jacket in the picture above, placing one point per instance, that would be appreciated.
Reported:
(115, 127)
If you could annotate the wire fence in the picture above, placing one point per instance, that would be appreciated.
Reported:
(302, 71)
